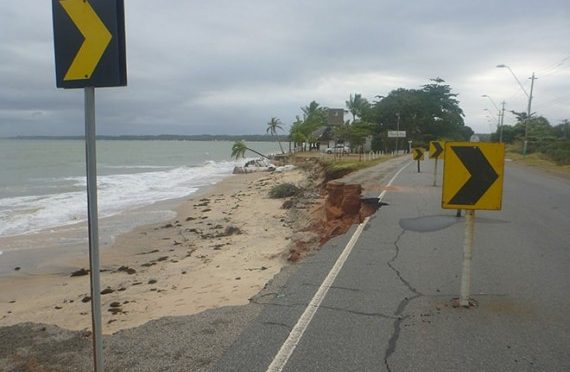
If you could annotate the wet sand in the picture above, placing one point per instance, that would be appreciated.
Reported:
(222, 248)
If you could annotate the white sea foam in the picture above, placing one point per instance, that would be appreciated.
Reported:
(135, 167)
(116, 193)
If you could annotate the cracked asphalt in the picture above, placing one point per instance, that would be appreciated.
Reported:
(390, 308)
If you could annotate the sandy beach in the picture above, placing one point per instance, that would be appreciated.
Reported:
(222, 248)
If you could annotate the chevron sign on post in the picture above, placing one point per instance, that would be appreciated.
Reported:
(436, 152)
(473, 175)
(418, 154)
(472, 179)
(436, 149)
(89, 45)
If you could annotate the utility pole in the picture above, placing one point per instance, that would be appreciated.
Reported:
(502, 122)
(532, 79)
(498, 113)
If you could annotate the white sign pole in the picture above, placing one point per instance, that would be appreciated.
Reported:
(435, 173)
(467, 255)
(91, 162)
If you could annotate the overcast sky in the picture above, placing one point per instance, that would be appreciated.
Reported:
(227, 67)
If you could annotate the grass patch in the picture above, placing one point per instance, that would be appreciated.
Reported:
(341, 167)
(538, 160)
(335, 167)
(283, 190)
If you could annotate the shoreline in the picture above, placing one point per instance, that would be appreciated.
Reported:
(71, 240)
(227, 241)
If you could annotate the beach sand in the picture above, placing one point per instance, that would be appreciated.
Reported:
(222, 248)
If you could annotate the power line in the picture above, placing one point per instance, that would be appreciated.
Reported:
(553, 101)
(555, 68)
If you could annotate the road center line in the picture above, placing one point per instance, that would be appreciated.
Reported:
(298, 330)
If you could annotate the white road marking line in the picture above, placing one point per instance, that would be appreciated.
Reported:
(298, 330)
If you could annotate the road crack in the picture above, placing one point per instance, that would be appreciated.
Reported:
(363, 313)
(393, 341)
(396, 271)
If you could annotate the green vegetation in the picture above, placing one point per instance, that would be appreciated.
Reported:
(302, 131)
(341, 167)
(239, 148)
(429, 113)
(552, 142)
(426, 114)
(536, 159)
(283, 190)
(272, 127)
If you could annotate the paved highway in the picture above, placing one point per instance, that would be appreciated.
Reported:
(389, 306)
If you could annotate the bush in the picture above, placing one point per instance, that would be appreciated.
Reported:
(283, 190)
(556, 150)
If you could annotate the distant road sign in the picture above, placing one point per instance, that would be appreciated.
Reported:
(473, 175)
(397, 134)
(418, 153)
(89, 38)
(436, 149)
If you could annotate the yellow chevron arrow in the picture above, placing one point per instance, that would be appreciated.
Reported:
(97, 38)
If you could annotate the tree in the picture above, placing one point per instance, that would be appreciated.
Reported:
(360, 130)
(426, 114)
(357, 106)
(538, 126)
(312, 109)
(272, 127)
(314, 117)
(296, 133)
(562, 130)
(239, 148)
(446, 115)
(341, 133)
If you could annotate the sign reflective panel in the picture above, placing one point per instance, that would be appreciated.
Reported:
(418, 153)
(89, 38)
(436, 149)
(473, 175)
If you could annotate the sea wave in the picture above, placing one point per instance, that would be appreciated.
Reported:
(116, 193)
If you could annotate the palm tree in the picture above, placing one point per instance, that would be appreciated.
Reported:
(356, 105)
(296, 133)
(312, 109)
(272, 127)
(239, 148)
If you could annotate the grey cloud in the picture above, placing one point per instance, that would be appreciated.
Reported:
(227, 67)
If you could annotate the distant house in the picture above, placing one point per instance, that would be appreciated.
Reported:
(335, 117)
(325, 135)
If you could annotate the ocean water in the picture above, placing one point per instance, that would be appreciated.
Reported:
(43, 184)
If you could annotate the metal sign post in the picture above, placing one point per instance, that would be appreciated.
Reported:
(435, 151)
(472, 179)
(418, 154)
(100, 61)
(94, 261)
(435, 173)
(467, 256)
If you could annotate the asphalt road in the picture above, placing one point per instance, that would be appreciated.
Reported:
(390, 306)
